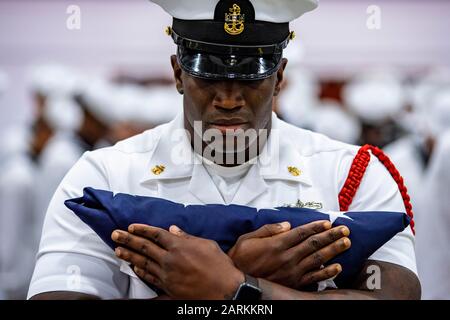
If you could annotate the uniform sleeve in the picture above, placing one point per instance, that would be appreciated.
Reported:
(379, 192)
(71, 256)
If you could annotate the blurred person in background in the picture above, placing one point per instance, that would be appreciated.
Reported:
(17, 221)
(332, 120)
(56, 117)
(376, 97)
(433, 224)
(101, 114)
(422, 157)
(62, 150)
(4, 82)
(139, 108)
(78, 118)
(98, 115)
(17, 179)
(300, 92)
(47, 80)
(424, 121)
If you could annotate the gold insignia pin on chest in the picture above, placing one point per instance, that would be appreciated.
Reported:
(234, 21)
(157, 170)
(294, 171)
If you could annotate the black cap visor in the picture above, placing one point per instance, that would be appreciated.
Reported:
(222, 67)
(222, 62)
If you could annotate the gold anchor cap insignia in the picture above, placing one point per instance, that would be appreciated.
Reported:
(157, 170)
(234, 21)
(294, 171)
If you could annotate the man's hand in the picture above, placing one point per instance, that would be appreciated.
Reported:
(184, 266)
(291, 257)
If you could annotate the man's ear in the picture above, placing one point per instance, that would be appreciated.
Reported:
(280, 76)
(177, 72)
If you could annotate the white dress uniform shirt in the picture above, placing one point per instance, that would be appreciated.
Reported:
(73, 258)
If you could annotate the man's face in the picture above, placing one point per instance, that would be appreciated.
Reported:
(227, 105)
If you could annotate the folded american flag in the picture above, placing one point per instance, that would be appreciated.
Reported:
(105, 212)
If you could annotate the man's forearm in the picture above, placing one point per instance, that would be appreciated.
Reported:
(64, 295)
(273, 291)
(396, 282)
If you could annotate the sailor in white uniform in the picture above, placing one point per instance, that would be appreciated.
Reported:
(138, 108)
(421, 159)
(17, 187)
(293, 167)
(424, 123)
(433, 256)
(332, 120)
(376, 97)
(61, 152)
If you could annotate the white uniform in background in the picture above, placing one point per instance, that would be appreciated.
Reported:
(69, 248)
(17, 186)
(433, 225)
(61, 152)
(57, 83)
(407, 152)
(110, 104)
(407, 157)
(430, 189)
(332, 120)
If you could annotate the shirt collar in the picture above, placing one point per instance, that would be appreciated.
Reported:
(173, 156)
(281, 158)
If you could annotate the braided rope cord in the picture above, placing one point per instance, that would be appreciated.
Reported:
(356, 174)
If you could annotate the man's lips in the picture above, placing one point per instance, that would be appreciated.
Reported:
(228, 124)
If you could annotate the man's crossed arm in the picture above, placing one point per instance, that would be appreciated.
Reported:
(287, 262)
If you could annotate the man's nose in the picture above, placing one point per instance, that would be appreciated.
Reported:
(229, 96)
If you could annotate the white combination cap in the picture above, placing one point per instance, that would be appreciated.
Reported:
(55, 80)
(333, 121)
(100, 100)
(298, 100)
(148, 107)
(421, 92)
(375, 97)
(163, 104)
(265, 10)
